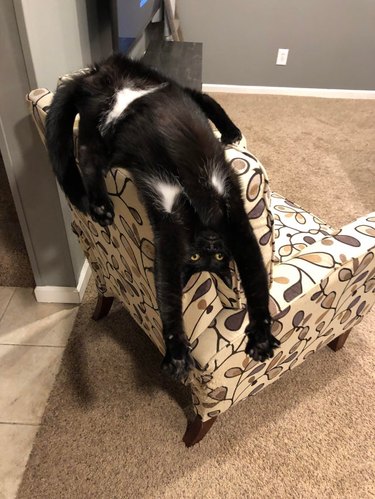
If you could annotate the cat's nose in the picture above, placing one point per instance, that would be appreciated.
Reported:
(210, 236)
(210, 240)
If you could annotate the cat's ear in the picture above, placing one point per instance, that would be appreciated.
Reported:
(226, 276)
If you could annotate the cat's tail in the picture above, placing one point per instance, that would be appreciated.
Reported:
(60, 145)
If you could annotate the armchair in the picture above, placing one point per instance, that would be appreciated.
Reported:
(322, 283)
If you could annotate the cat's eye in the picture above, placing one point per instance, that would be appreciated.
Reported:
(195, 257)
(219, 256)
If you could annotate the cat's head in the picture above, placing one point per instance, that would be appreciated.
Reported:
(207, 252)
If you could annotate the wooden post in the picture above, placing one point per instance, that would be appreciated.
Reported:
(196, 430)
(339, 342)
(103, 306)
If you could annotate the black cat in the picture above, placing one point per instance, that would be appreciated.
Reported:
(133, 116)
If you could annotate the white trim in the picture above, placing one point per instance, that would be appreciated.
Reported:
(61, 294)
(301, 92)
(84, 278)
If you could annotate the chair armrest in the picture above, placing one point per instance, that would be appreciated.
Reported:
(315, 263)
(39, 101)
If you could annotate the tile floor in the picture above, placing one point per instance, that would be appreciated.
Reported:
(32, 340)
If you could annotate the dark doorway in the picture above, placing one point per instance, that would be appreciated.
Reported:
(15, 269)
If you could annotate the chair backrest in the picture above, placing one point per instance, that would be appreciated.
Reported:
(134, 224)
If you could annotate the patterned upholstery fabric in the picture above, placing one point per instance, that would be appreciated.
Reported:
(295, 228)
(322, 281)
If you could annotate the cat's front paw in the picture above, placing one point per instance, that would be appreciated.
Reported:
(178, 360)
(103, 213)
(261, 342)
(231, 136)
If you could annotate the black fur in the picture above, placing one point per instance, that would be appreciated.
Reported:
(163, 136)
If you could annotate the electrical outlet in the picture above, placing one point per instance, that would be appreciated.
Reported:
(282, 57)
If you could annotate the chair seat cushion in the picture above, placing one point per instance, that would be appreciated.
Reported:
(295, 228)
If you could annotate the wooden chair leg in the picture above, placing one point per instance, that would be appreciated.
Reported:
(339, 342)
(196, 430)
(103, 306)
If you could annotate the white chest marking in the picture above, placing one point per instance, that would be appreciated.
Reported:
(168, 194)
(123, 99)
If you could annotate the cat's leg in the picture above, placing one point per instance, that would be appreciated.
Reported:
(93, 163)
(169, 238)
(214, 112)
(245, 250)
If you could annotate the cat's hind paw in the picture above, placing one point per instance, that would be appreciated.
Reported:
(103, 214)
(232, 135)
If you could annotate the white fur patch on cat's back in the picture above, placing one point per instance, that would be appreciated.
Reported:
(218, 183)
(168, 194)
(219, 180)
(123, 98)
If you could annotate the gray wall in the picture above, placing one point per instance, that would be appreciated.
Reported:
(55, 40)
(32, 183)
(39, 41)
(331, 42)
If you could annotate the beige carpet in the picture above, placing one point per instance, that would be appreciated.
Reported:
(113, 425)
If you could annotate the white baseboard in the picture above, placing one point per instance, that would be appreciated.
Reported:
(60, 294)
(299, 92)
